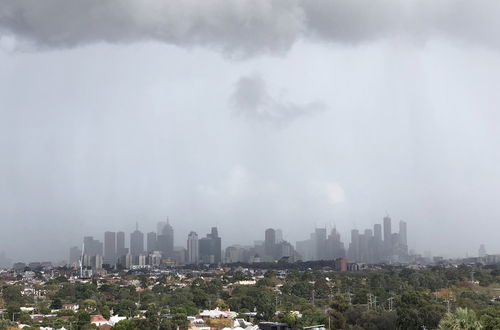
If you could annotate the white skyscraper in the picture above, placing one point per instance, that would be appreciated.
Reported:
(192, 248)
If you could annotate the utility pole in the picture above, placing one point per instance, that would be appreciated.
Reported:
(448, 307)
(391, 302)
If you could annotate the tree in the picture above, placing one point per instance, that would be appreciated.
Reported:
(82, 319)
(416, 309)
(56, 303)
(490, 318)
(462, 319)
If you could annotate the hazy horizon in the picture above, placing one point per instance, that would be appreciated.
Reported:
(247, 115)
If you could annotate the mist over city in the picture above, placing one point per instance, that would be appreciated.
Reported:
(247, 116)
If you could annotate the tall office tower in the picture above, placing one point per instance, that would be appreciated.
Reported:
(210, 248)
(482, 251)
(92, 247)
(279, 236)
(74, 255)
(403, 242)
(192, 248)
(151, 242)
(217, 245)
(353, 253)
(205, 251)
(120, 245)
(367, 247)
(168, 232)
(377, 232)
(136, 242)
(335, 247)
(270, 242)
(159, 227)
(395, 244)
(378, 245)
(320, 236)
(387, 236)
(165, 239)
(109, 248)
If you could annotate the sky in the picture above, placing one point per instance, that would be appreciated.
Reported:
(247, 115)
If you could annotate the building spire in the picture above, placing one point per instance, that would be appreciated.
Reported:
(137, 226)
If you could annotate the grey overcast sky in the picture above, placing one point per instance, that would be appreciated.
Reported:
(248, 114)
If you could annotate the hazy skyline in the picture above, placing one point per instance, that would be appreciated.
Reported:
(247, 115)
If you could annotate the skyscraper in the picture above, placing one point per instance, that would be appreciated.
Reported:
(136, 242)
(120, 245)
(159, 227)
(353, 252)
(192, 248)
(279, 236)
(334, 246)
(165, 239)
(320, 237)
(387, 236)
(151, 242)
(92, 247)
(217, 245)
(402, 233)
(270, 242)
(210, 248)
(378, 245)
(482, 251)
(109, 248)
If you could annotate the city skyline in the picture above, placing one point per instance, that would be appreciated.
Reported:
(369, 247)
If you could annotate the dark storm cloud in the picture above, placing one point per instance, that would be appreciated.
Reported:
(245, 27)
(252, 100)
(234, 26)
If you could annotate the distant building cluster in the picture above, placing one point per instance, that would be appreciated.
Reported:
(373, 247)
(153, 249)
(157, 248)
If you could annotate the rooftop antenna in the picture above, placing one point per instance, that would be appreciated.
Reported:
(136, 226)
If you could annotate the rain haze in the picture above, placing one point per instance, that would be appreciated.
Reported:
(246, 115)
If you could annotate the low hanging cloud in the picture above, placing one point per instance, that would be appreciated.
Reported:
(252, 100)
(246, 27)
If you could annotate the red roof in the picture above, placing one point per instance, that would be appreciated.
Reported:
(97, 318)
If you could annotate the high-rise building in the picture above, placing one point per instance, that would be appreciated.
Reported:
(482, 251)
(120, 245)
(320, 240)
(387, 236)
(402, 233)
(151, 242)
(159, 227)
(136, 242)
(192, 248)
(279, 236)
(378, 245)
(166, 239)
(270, 242)
(403, 242)
(210, 248)
(353, 253)
(334, 246)
(92, 247)
(367, 246)
(109, 248)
